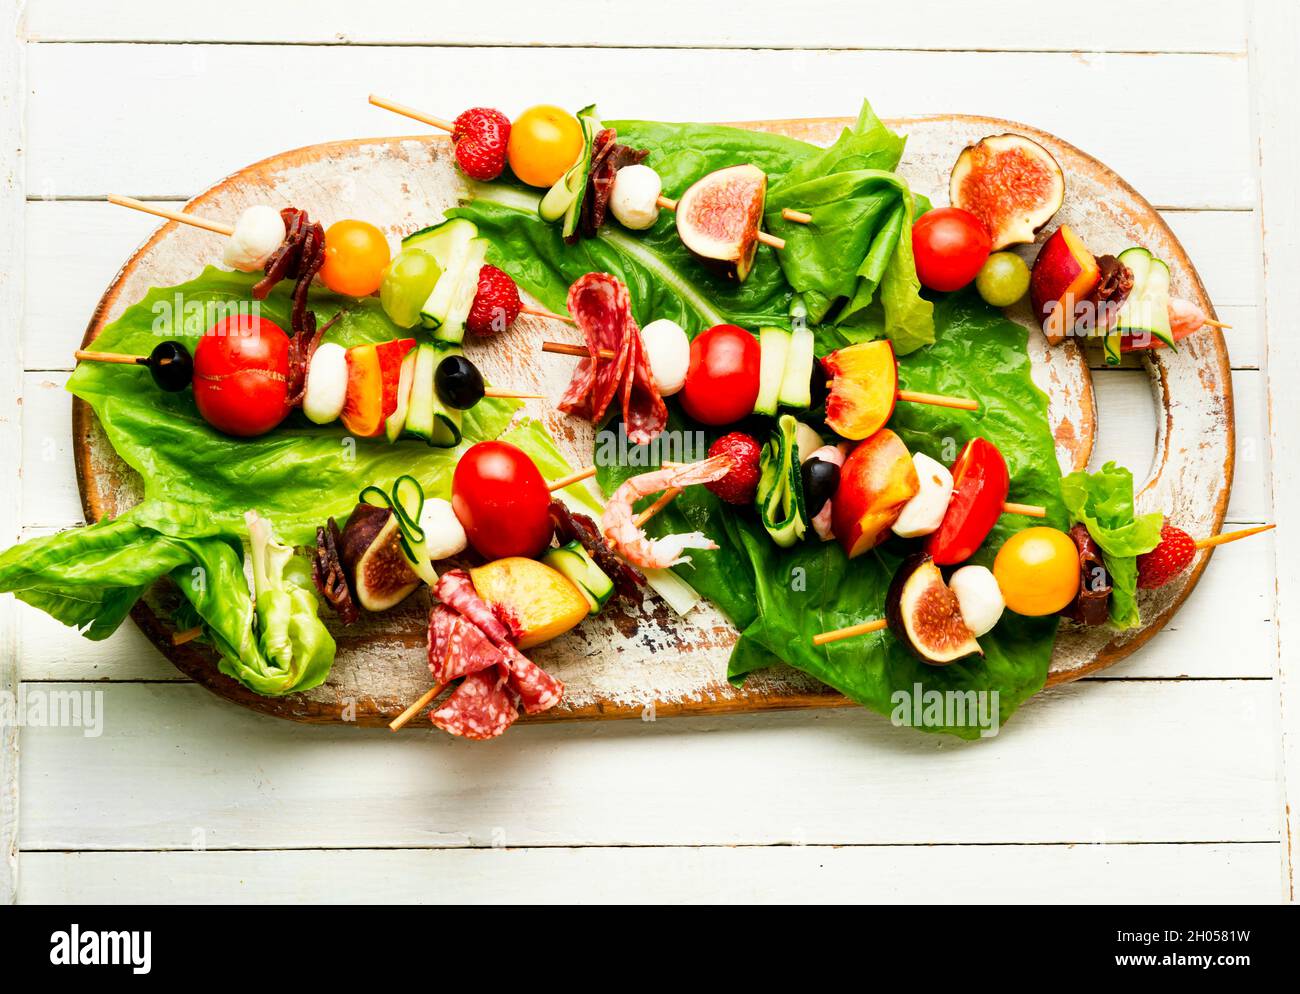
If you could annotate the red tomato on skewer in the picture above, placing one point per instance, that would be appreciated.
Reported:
(722, 379)
(502, 502)
(241, 368)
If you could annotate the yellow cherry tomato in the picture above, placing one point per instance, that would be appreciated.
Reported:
(356, 255)
(544, 142)
(1038, 571)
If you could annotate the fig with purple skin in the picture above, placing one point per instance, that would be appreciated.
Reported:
(1009, 182)
(718, 218)
(372, 556)
(925, 615)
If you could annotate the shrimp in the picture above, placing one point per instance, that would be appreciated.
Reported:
(622, 532)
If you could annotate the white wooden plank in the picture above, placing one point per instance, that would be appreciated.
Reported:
(1111, 25)
(74, 249)
(49, 650)
(1183, 761)
(88, 140)
(1082, 874)
(13, 61)
(1275, 40)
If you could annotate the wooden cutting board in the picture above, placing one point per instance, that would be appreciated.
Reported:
(647, 662)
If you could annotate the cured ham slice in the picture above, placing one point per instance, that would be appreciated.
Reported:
(480, 708)
(602, 309)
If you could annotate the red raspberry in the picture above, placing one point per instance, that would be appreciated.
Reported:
(480, 136)
(1166, 560)
(496, 304)
(738, 486)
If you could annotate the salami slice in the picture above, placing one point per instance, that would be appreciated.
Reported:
(457, 647)
(602, 309)
(455, 589)
(538, 691)
(480, 708)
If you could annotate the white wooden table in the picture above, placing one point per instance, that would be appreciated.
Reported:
(1165, 778)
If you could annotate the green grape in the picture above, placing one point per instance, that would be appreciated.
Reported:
(1003, 279)
(408, 281)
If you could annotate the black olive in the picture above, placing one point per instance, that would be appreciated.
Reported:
(820, 481)
(817, 385)
(171, 366)
(458, 382)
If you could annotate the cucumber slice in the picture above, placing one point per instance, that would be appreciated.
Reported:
(440, 240)
(405, 380)
(796, 384)
(419, 410)
(573, 561)
(447, 292)
(774, 346)
(590, 128)
(1145, 312)
(452, 327)
(780, 498)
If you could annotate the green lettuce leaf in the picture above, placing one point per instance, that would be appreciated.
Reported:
(1103, 503)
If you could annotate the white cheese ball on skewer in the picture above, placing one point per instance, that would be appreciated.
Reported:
(668, 351)
(924, 513)
(327, 383)
(258, 233)
(634, 197)
(979, 597)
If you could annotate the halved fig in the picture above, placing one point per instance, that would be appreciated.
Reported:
(1009, 182)
(718, 218)
(924, 614)
(372, 556)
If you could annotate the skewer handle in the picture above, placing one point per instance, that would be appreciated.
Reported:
(562, 348)
(939, 400)
(1217, 324)
(120, 357)
(537, 312)
(1028, 510)
(668, 496)
(412, 113)
(189, 635)
(219, 227)
(571, 479)
(798, 217)
(417, 707)
(1223, 538)
(667, 203)
(847, 633)
(511, 394)
(772, 240)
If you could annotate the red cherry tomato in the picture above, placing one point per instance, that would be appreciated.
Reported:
(241, 365)
(979, 489)
(950, 246)
(722, 378)
(501, 500)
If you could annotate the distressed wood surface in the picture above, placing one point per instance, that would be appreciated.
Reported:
(621, 664)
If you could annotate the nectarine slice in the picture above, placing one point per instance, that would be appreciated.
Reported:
(863, 388)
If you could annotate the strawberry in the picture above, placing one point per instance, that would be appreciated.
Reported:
(739, 485)
(480, 136)
(496, 303)
(1166, 560)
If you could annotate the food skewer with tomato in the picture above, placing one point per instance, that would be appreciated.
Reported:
(588, 174)
(1053, 565)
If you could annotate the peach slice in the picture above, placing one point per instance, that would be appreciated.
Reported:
(1064, 273)
(863, 388)
(876, 480)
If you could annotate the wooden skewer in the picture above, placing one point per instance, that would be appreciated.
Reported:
(560, 348)
(136, 360)
(1029, 510)
(537, 312)
(1217, 324)
(1223, 538)
(798, 217)
(571, 479)
(220, 227)
(669, 204)
(511, 394)
(847, 633)
(666, 498)
(939, 400)
(412, 113)
(189, 635)
(417, 707)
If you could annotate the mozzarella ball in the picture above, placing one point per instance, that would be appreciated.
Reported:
(327, 383)
(443, 533)
(258, 233)
(668, 351)
(978, 596)
(924, 513)
(634, 197)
